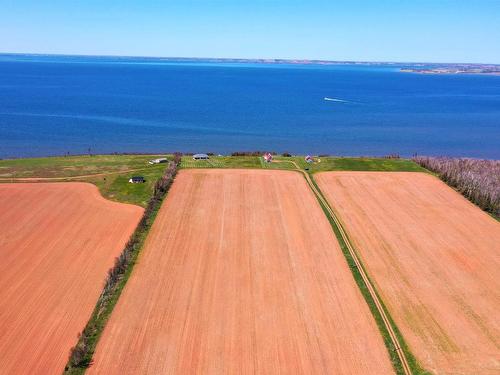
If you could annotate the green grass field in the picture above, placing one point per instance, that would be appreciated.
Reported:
(68, 166)
(117, 188)
(324, 164)
(321, 164)
(222, 162)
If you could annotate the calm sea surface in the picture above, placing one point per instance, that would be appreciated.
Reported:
(53, 105)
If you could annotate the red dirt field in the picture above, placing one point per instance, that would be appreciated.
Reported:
(57, 242)
(434, 258)
(241, 274)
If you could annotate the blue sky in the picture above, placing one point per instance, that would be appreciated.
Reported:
(373, 30)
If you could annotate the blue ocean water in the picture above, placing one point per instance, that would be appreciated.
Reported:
(51, 105)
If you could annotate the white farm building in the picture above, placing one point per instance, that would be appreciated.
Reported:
(200, 157)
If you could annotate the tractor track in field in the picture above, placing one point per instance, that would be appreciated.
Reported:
(378, 304)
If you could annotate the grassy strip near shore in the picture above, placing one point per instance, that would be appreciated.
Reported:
(81, 354)
(110, 173)
(414, 366)
(222, 162)
(321, 164)
(69, 166)
(85, 165)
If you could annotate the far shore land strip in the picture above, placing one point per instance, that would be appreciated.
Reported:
(405, 67)
(486, 69)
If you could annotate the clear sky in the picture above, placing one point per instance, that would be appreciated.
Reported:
(373, 30)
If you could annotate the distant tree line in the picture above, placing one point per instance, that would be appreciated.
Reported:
(392, 156)
(476, 179)
(81, 354)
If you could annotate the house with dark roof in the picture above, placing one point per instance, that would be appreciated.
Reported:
(137, 180)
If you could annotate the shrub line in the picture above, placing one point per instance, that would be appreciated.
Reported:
(80, 357)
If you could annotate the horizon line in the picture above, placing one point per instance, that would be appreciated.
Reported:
(261, 60)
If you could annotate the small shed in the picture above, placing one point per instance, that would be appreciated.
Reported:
(137, 180)
(158, 161)
(200, 157)
(268, 157)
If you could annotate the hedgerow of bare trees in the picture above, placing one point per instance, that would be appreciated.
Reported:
(476, 179)
(81, 354)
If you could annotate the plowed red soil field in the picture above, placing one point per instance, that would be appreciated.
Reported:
(241, 274)
(434, 258)
(57, 241)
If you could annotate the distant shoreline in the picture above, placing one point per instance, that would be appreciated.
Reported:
(457, 69)
(412, 65)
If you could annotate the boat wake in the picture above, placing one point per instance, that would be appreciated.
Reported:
(335, 100)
